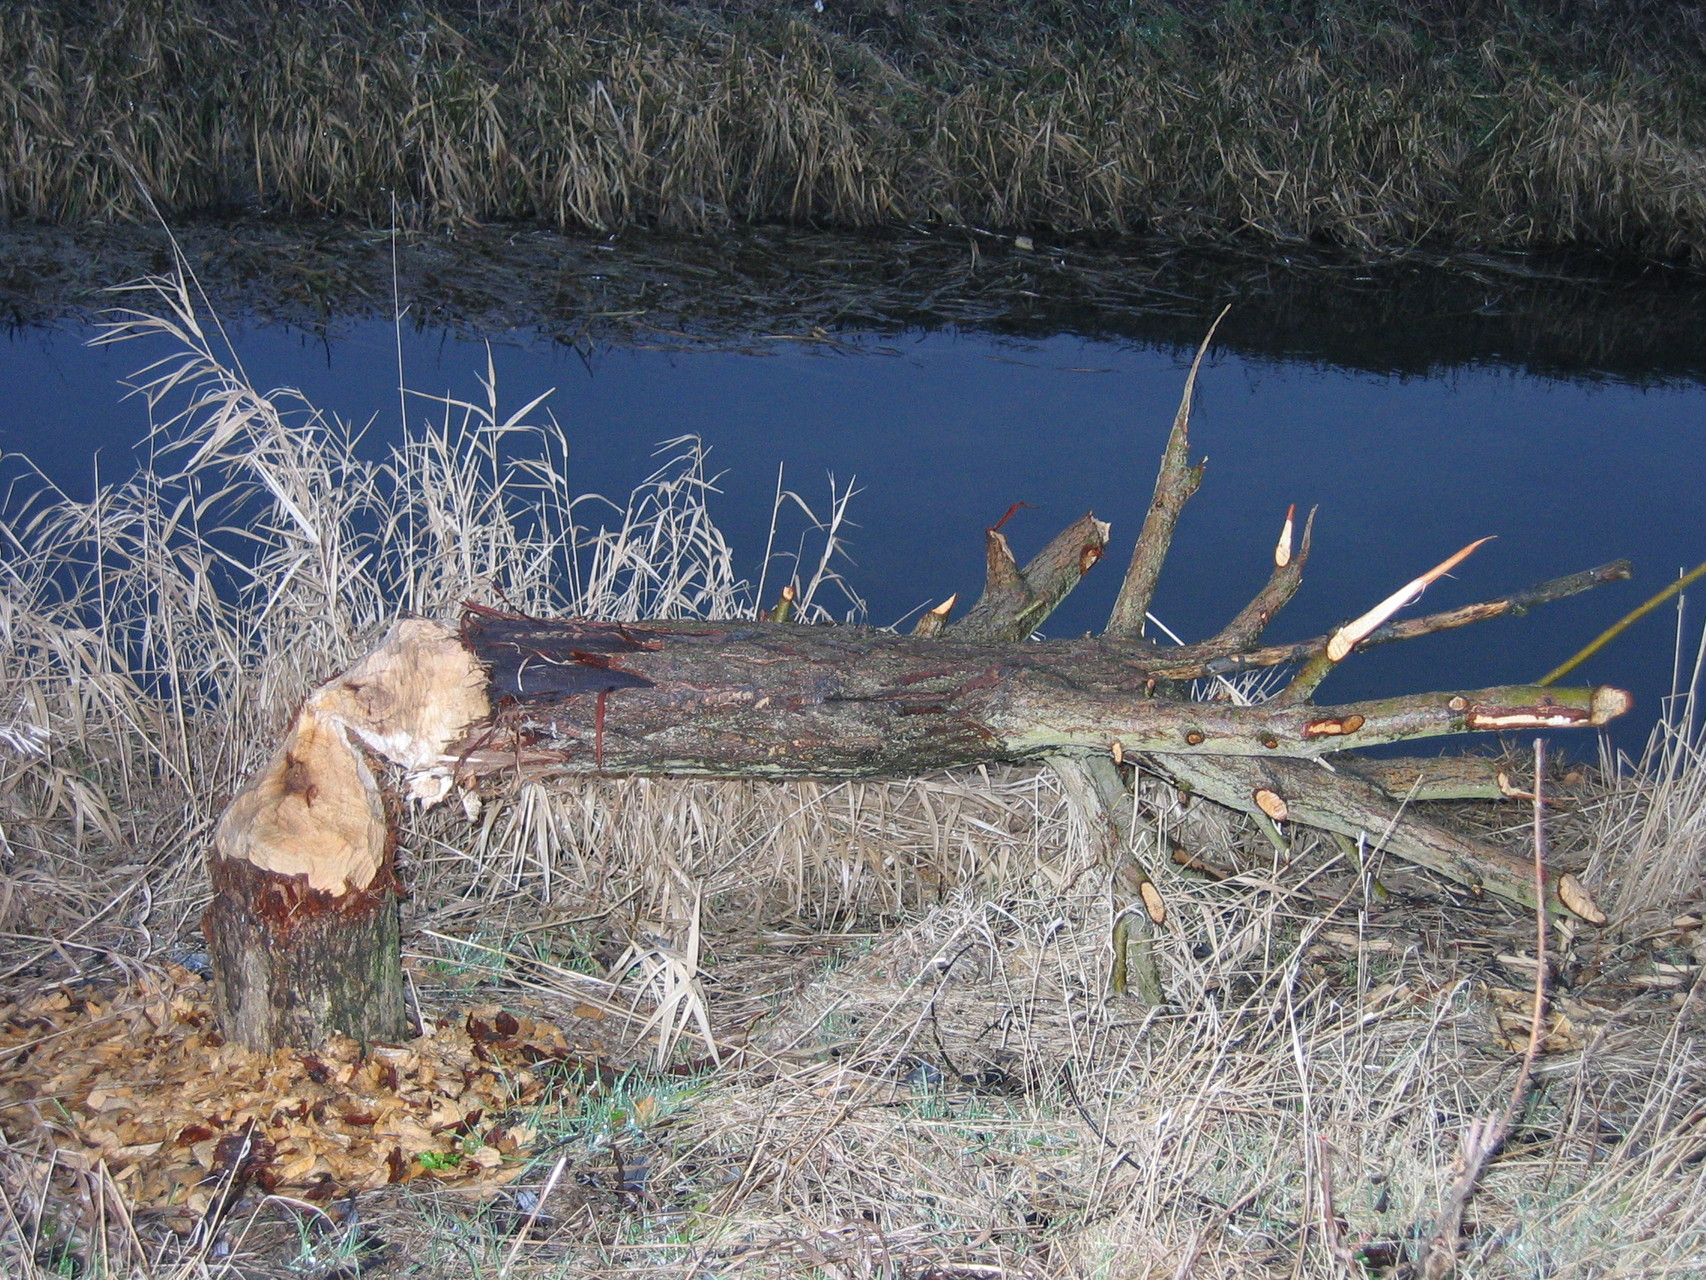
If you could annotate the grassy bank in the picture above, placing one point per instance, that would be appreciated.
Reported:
(924, 1072)
(1491, 125)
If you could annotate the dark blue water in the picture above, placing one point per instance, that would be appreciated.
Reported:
(944, 430)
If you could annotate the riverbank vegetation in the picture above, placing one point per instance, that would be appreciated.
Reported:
(914, 1066)
(1370, 126)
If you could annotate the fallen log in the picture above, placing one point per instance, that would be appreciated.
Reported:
(302, 927)
(787, 701)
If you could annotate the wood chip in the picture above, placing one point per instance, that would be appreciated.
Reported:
(143, 1084)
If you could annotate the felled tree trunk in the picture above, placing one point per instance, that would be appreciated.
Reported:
(786, 701)
(303, 925)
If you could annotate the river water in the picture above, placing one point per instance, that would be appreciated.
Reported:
(1421, 408)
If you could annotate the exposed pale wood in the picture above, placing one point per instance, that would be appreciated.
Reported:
(1282, 584)
(303, 925)
(314, 813)
(303, 922)
(1095, 789)
(1437, 777)
(935, 620)
(1341, 643)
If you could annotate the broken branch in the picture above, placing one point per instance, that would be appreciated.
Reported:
(1245, 629)
(1354, 632)
(1340, 802)
(1193, 662)
(1015, 602)
(1174, 485)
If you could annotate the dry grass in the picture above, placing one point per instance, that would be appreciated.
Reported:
(915, 1066)
(1356, 124)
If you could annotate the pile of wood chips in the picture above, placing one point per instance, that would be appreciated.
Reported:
(142, 1080)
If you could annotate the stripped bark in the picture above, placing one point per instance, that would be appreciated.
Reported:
(1427, 778)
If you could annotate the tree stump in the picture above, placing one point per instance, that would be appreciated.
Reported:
(303, 928)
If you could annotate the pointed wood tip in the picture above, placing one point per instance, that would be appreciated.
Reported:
(1358, 629)
(1282, 551)
(315, 811)
(932, 623)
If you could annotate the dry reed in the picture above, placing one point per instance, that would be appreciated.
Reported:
(1354, 124)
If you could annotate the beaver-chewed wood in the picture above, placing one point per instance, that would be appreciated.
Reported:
(303, 928)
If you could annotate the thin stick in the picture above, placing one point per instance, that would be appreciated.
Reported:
(1539, 911)
(1486, 1135)
(1622, 624)
(770, 541)
(1192, 663)
(397, 327)
(532, 1217)
(1346, 638)
(1120, 1155)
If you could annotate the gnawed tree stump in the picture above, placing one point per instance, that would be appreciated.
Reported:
(303, 928)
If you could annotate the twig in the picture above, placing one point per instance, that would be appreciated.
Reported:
(532, 1217)
(1193, 662)
(1348, 637)
(1332, 1229)
(1486, 1135)
(1245, 629)
(1120, 1157)
(1622, 624)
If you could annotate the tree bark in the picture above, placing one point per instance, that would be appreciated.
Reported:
(1351, 806)
(773, 700)
(303, 923)
(293, 965)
